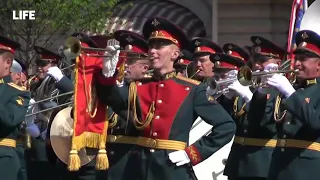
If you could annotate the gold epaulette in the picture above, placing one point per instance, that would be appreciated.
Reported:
(17, 87)
(192, 81)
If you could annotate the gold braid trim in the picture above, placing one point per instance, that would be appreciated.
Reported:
(132, 106)
(235, 108)
(276, 112)
(113, 120)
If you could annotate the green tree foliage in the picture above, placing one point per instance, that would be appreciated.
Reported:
(53, 18)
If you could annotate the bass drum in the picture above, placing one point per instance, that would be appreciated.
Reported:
(213, 167)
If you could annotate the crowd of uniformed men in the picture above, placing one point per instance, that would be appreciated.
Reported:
(275, 125)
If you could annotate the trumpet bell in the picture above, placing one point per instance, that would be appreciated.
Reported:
(72, 48)
(213, 85)
(245, 76)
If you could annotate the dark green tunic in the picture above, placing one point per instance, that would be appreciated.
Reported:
(13, 108)
(301, 122)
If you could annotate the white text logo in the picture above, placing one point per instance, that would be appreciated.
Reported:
(23, 15)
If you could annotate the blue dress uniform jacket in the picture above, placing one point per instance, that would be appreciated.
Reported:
(297, 155)
(251, 152)
(174, 102)
(13, 108)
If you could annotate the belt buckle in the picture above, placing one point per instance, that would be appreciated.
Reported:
(242, 141)
(282, 142)
(153, 143)
(113, 138)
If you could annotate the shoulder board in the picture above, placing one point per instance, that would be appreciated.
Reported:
(192, 81)
(16, 86)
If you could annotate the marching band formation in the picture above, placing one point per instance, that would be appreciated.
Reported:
(125, 112)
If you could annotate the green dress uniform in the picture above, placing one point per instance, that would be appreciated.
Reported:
(297, 155)
(15, 101)
(163, 108)
(255, 139)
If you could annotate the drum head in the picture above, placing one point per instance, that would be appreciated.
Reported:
(61, 136)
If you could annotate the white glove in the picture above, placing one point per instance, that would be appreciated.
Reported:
(56, 73)
(44, 134)
(271, 67)
(243, 91)
(179, 157)
(33, 130)
(31, 109)
(282, 84)
(110, 62)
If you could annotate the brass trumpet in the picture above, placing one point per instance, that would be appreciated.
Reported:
(218, 88)
(72, 48)
(256, 79)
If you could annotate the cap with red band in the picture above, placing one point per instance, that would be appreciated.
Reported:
(185, 58)
(85, 40)
(234, 58)
(265, 47)
(131, 41)
(46, 55)
(236, 51)
(101, 41)
(226, 61)
(8, 44)
(203, 47)
(307, 41)
(160, 28)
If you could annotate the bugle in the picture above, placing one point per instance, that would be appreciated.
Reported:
(218, 88)
(48, 109)
(72, 48)
(246, 77)
(47, 99)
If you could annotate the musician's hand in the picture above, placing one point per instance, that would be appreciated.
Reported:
(110, 62)
(271, 67)
(33, 130)
(243, 91)
(179, 157)
(282, 84)
(55, 72)
(31, 109)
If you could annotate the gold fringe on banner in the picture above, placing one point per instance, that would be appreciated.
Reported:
(74, 163)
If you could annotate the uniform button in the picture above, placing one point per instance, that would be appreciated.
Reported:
(118, 127)
(282, 143)
(187, 89)
(111, 152)
(157, 117)
(159, 101)
(139, 83)
(161, 85)
(245, 131)
(154, 134)
(284, 136)
(288, 122)
(282, 149)
(151, 150)
(241, 141)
